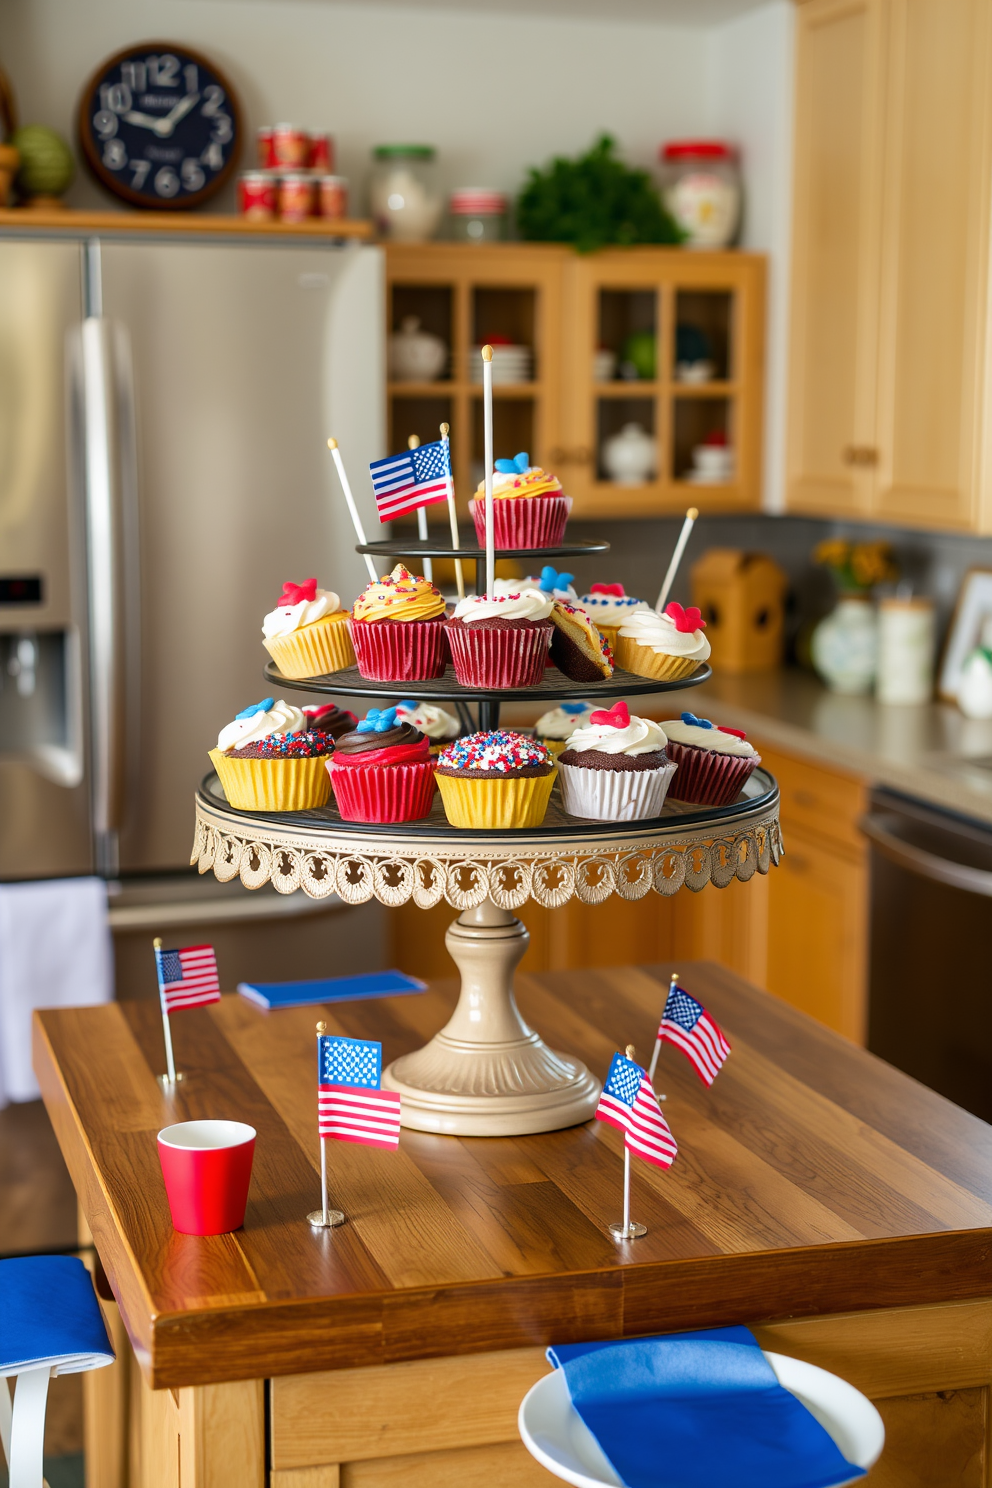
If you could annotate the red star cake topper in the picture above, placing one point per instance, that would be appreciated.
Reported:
(294, 594)
(685, 621)
(616, 589)
(617, 717)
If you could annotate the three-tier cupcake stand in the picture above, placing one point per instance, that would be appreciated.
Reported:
(486, 1073)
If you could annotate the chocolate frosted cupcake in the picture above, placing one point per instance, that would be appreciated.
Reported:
(495, 780)
(439, 725)
(714, 762)
(615, 768)
(382, 771)
(503, 641)
(330, 720)
(268, 760)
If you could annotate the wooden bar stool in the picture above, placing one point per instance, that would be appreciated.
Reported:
(51, 1324)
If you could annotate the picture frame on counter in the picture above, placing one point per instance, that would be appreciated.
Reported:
(973, 608)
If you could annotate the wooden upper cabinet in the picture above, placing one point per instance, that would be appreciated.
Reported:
(890, 314)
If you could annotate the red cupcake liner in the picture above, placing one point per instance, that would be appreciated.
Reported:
(394, 793)
(706, 778)
(523, 521)
(500, 658)
(399, 650)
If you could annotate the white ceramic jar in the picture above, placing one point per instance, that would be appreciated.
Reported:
(844, 646)
(403, 193)
(702, 190)
(415, 355)
(905, 651)
(630, 458)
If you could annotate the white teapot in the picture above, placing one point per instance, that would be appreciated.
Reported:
(416, 355)
(631, 457)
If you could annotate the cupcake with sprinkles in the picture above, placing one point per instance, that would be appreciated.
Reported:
(608, 607)
(495, 781)
(503, 640)
(529, 507)
(615, 767)
(307, 633)
(439, 725)
(267, 759)
(714, 762)
(669, 646)
(382, 771)
(397, 627)
(554, 727)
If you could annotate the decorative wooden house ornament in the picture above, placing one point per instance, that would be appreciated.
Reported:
(742, 599)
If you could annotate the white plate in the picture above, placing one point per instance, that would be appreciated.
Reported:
(554, 1432)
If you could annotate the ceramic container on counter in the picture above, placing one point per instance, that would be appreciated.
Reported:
(905, 651)
(844, 646)
(630, 458)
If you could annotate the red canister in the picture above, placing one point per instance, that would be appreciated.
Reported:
(321, 154)
(332, 196)
(258, 196)
(296, 197)
(266, 149)
(207, 1170)
(291, 147)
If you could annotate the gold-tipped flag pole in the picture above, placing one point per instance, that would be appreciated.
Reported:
(666, 588)
(627, 1231)
(487, 415)
(453, 519)
(414, 443)
(323, 1218)
(170, 1076)
(356, 520)
(673, 982)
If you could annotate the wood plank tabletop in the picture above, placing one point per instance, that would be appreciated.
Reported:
(811, 1178)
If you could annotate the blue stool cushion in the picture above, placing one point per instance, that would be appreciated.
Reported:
(697, 1410)
(49, 1314)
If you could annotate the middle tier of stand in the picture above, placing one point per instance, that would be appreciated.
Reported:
(416, 547)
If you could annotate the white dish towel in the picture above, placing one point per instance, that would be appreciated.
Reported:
(55, 951)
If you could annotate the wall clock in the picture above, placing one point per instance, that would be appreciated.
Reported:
(160, 126)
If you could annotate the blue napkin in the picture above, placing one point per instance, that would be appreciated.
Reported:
(331, 989)
(49, 1315)
(697, 1410)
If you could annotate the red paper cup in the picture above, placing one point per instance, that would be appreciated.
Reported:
(207, 1169)
(523, 521)
(399, 650)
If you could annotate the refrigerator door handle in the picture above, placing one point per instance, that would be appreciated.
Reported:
(108, 446)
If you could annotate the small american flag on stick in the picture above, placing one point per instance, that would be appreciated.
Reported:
(686, 1024)
(628, 1101)
(187, 978)
(417, 477)
(351, 1106)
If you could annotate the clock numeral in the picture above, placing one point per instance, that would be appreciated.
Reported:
(135, 75)
(223, 130)
(115, 97)
(193, 177)
(114, 154)
(164, 71)
(192, 75)
(213, 156)
(166, 181)
(215, 97)
(141, 169)
(105, 124)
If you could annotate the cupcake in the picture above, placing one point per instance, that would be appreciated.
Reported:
(549, 581)
(608, 607)
(382, 771)
(577, 647)
(397, 627)
(714, 762)
(615, 768)
(307, 633)
(497, 781)
(668, 646)
(554, 727)
(529, 509)
(268, 760)
(439, 725)
(330, 719)
(503, 641)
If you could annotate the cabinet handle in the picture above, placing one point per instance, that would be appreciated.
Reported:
(859, 454)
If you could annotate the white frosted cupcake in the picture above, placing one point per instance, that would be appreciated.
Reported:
(439, 726)
(608, 607)
(668, 646)
(307, 633)
(555, 726)
(615, 768)
(714, 762)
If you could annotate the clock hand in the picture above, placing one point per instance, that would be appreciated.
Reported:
(165, 126)
(143, 121)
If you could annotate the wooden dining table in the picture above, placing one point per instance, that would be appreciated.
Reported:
(819, 1196)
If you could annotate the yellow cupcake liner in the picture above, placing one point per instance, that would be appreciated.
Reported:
(554, 746)
(323, 646)
(273, 784)
(495, 804)
(643, 662)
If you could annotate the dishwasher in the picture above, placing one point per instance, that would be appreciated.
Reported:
(930, 969)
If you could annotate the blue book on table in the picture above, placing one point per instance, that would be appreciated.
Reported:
(330, 989)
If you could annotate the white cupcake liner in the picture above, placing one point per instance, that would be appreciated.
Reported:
(614, 795)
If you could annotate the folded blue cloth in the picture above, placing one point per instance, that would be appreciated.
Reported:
(697, 1410)
(49, 1315)
(331, 989)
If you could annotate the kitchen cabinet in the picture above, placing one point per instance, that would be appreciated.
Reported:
(889, 375)
(581, 315)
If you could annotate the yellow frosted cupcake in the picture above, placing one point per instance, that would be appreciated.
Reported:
(268, 760)
(307, 633)
(529, 507)
(397, 629)
(668, 646)
(496, 781)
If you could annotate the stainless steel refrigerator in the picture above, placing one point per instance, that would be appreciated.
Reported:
(164, 411)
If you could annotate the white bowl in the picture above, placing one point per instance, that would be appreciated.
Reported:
(556, 1435)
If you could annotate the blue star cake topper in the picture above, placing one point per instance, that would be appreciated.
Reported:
(694, 722)
(519, 465)
(378, 721)
(552, 580)
(262, 707)
(574, 707)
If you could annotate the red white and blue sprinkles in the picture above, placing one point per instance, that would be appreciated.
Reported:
(501, 751)
(289, 746)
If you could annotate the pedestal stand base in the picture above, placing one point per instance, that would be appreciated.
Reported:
(486, 1074)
